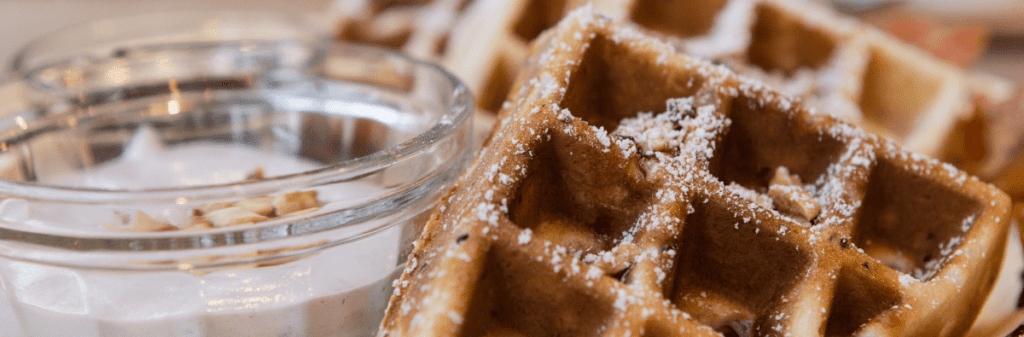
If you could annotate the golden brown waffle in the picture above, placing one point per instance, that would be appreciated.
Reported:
(997, 131)
(491, 42)
(668, 225)
(483, 42)
(1004, 309)
(420, 28)
(838, 65)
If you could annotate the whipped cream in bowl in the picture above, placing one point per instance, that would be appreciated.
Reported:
(251, 186)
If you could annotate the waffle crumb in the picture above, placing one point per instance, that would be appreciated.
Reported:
(789, 197)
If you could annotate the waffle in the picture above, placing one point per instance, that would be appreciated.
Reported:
(668, 225)
(836, 64)
(483, 42)
(420, 28)
(1004, 309)
(490, 44)
(997, 129)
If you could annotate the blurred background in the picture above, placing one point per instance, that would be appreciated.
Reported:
(987, 35)
(23, 21)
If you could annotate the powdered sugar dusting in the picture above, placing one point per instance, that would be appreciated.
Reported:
(525, 236)
(682, 128)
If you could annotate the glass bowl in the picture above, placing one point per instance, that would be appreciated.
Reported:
(204, 175)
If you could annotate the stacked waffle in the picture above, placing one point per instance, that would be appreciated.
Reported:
(417, 27)
(713, 205)
(421, 28)
(835, 64)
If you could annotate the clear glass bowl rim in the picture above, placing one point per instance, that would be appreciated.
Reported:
(458, 113)
(35, 53)
(452, 121)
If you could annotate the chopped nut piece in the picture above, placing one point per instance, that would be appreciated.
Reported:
(260, 205)
(211, 207)
(223, 214)
(256, 174)
(233, 216)
(294, 201)
(783, 177)
(198, 226)
(749, 194)
(794, 200)
(789, 196)
(142, 224)
(303, 211)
